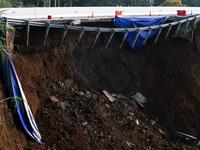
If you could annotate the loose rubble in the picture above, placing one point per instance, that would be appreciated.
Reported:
(74, 118)
(64, 90)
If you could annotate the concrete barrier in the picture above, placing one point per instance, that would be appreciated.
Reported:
(76, 12)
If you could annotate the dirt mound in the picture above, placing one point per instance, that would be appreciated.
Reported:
(63, 87)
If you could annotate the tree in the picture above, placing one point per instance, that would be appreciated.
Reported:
(172, 3)
(191, 2)
(158, 2)
(5, 3)
(42, 3)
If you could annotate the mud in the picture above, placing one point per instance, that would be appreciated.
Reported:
(63, 87)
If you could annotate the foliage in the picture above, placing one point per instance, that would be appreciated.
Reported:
(5, 3)
(19, 101)
(17, 3)
(191, 2)
(172, 3)
(3, 51)
(31, 5)
(4, 127)
(111, 3)
(158, 2)
(70, 3)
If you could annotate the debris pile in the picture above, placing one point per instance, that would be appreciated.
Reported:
(87, 98)
(73, 118)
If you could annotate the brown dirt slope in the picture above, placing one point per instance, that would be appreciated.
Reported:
(63, 87)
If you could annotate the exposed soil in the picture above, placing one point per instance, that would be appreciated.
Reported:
(63, 86)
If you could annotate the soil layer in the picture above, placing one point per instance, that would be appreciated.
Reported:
(63, 86)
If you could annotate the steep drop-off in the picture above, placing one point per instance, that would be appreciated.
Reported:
(167, 73)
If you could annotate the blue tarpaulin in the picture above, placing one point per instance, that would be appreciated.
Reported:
(136, 22)
(15, 91)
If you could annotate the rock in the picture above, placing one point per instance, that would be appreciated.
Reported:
(129, 144)
(53, 99)
(89, 96)
(198, 143)
(48, 85)
(62, 105)
(80, 93)
(131, 114)
(55, 88)
(60, 84)
(76, 114)
(137, 122)
(101, 134)
(153, 122)
(71, 89)
(125, 112)
(57, 104)
(102, 140)
(107, 105)
(161, 132)
(139, 97)
(130, 118)
(85, 123)
(124, 105)
(77, 98)
(122, 97)
(139, 104)
(69, 82)
(76, 87)
(112, 99)
(114, 95)
(121, 122)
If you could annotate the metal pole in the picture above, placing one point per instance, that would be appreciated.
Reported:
(55, 3)
(49, 3)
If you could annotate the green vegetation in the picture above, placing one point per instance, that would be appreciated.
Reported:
(62, 3)
(172, 3)
(5, 3)
(195, 3)
(4, 127)
(3, 51)
(19, 101)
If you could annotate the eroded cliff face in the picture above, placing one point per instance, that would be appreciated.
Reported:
(167, 73)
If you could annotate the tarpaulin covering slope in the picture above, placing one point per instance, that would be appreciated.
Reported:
(15, 90)
(136, 22)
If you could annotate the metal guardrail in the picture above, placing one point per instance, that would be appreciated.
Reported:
(99, 30)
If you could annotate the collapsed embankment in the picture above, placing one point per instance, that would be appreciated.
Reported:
(167, 73)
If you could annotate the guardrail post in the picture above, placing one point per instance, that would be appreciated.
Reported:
(150, 29)
(81, 34)
(170, 27)
(157, 36)
(188, 22)
(179, 25)
(111, 36)
(136, 37)
(64, 34)
(27, 32)
(46, 33)
(97, 35)
(195, 22)
(124, 38)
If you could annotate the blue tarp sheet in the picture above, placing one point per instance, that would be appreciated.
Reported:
(15, 90)
(135, 22)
